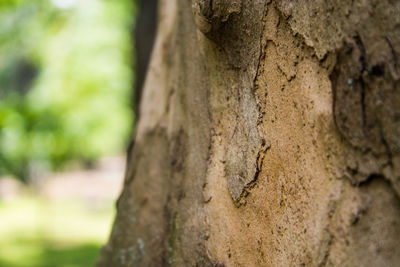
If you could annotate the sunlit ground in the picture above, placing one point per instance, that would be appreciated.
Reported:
(36, 232)
(64, 223)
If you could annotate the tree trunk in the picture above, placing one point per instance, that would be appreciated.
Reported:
(268, 136)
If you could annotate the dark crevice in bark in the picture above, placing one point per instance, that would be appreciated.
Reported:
(260, 159)
(369, 180)
(327, 250)
(263, 146)
(394, 56)
(362, 59)
(387, 147)
(211, 8)
(377, 176)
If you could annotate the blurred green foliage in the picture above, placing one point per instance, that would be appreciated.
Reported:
(38, 232)
(65, 82)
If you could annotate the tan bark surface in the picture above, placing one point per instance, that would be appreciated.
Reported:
(268, 136)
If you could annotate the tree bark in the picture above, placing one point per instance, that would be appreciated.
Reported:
(268, 136)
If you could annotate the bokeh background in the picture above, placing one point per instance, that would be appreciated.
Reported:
(66, 115)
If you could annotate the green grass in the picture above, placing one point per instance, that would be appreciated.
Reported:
(36, 232)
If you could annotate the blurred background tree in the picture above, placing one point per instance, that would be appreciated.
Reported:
(65, 83)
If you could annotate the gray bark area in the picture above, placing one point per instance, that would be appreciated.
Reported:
(268, 136)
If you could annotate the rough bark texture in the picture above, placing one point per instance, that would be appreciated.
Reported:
(268, 136)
